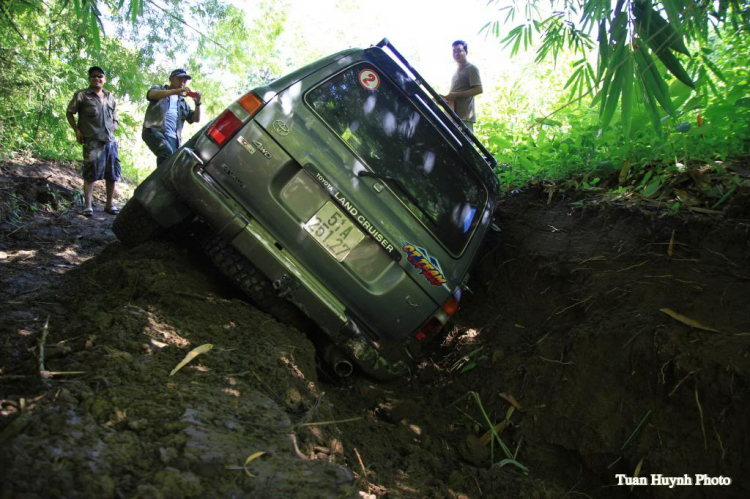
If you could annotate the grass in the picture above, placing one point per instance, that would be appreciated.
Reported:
(510, 458)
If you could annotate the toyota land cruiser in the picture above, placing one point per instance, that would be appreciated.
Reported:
(347, 190)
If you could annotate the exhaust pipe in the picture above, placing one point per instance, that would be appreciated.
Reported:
(333, 356)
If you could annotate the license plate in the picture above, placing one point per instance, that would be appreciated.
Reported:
(336, 233)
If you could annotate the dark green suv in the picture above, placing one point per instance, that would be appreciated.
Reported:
(347, 190)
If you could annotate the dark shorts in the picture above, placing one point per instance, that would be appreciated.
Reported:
(101, 161)
(160, 144)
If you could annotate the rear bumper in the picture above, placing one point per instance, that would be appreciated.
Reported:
(291, 279)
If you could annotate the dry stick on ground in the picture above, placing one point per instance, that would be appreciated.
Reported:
(42, 340)
(571, 306)
(634, 266)
(324, 423)
(679, 382)
(703, 423)
(725, 258)
(705, 210)
(364, 470)
(556, 361)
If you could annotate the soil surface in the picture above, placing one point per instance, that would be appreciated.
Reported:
(600, 338)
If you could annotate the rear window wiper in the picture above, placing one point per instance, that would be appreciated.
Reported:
(397, 183)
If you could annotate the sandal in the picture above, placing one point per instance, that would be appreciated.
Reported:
(114, 210)
(88, 212)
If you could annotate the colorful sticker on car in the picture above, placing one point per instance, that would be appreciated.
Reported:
(428, 265)
(369, 79)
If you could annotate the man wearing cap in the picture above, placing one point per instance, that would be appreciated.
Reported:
(166, 114)
(97, 122)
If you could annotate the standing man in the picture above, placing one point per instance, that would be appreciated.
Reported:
(97, 122)
(465, 84)
(166, 114)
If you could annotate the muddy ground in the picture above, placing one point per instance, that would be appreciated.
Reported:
(564, 344)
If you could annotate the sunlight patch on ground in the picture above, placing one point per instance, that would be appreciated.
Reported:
(158, 332)
(17, 256)
(71, 256)
(232, 391)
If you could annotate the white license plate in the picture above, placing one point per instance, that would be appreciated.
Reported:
(336, 233)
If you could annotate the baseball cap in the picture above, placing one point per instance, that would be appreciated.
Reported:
(180, 73)
(96, 68)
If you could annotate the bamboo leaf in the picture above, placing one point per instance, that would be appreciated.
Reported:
(603, 50)
(627, 95)
(660, 34)
(653, 83)
(714, 69)
(250, 459)
(512, 34)
(576, 74)
(687, 320)
(675, 67)
(652, 188)
(191, 355)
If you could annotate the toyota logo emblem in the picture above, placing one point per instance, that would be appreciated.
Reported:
(280, 127)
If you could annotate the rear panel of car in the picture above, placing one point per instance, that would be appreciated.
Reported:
(296, 171)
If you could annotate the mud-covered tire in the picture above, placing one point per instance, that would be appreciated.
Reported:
(254, 283)
(134, 224)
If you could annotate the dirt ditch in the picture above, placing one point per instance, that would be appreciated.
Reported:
(570, 344)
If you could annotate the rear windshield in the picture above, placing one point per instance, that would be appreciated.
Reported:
(396, 140)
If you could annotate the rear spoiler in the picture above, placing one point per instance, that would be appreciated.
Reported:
(384, 43)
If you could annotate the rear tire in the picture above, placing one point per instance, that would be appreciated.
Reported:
(254, 284)
(134, 224)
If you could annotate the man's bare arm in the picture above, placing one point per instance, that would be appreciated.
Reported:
(160, 94)
(196, 116)
(475, 90)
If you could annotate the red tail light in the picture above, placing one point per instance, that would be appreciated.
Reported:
(223, 127)
(429, 328)
(227, 123)
(451, 306)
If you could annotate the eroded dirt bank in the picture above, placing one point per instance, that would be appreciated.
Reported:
(565, 322)
(567, 314)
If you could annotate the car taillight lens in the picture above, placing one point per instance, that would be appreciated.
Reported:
(250, 102)
(451, 306)
(223, 127)
(432, 325)
(228, 123)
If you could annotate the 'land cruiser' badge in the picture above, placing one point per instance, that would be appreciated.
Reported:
(369, 79)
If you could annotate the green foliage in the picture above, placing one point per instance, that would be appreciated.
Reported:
(576, 129)
(637, 40)
(48, 47)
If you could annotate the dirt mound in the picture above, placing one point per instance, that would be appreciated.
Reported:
(576, 342)
(114, 421)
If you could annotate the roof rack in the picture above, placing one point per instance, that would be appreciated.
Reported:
(384, 43)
